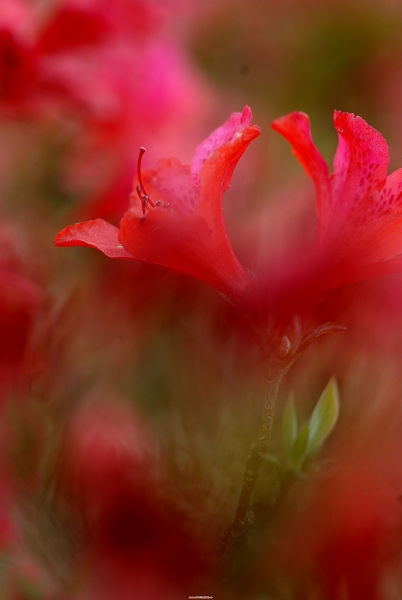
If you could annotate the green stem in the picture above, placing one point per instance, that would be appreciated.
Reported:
(257, 454)
(233, 534)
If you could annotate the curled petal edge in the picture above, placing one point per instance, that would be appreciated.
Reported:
(98, 234)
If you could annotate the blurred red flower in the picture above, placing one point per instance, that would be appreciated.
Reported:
(342, 540)
(99, 76)
(18, 68)
(359, 208)
(134, 539)
(21, 300)
(178, 223)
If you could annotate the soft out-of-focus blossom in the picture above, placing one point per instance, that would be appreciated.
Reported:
(109, 75)
(21, 299)
(134, 539)
(18, 69)
(71, 27)
(104, 441)
(181, 226)
(344, 537)
(65, 31)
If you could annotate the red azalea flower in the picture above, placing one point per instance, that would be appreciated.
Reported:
(359, 208)
(176, 217)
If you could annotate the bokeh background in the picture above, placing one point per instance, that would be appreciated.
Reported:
(130, 395)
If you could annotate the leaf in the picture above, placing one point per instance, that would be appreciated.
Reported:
(298, 453)
(289, 425)
(324, 417)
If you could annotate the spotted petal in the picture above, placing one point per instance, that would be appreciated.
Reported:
(371, 244)
(360, 164)
(359, 208)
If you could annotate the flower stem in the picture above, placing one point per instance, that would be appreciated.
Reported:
(257, 454)
(233, 535)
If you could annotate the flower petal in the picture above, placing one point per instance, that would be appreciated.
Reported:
(97, 234)
(191, 238)
(183, 243)
(295, 127)
(225, 133)
(376, 212)
(216, 175)
(360, 164)
(372, 244)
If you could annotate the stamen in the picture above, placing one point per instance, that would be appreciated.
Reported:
(140, 155)
(141, 191)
